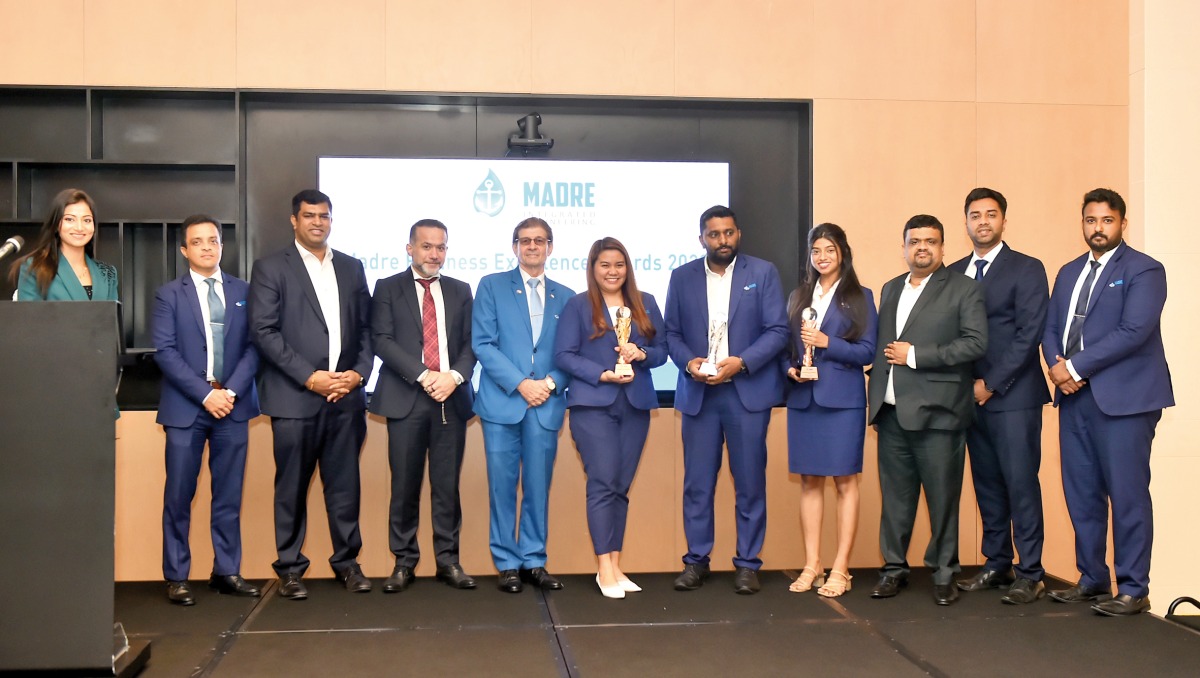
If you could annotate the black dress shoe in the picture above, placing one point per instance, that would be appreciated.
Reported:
(987, 579)
(291, 587)
(540, 578)
(1024, 591)
(354, 580)
(509, 582)
(1081, 594)
(692, 577)
(1123, 606)
(454, 576)
(745, 581)
(888, 586)
(945, 594)
(232, 584)
(401, 578)
(180, 593)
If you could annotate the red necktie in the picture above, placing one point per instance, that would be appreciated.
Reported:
(429, 327)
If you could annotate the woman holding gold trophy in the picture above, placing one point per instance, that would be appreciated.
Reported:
(609, 338)
(833, 322)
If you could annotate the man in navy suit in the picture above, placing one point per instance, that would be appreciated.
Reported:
(1103, 343)
(310, 317)
(1005, 442)
(202, 346)
(725, 311)
(932, 329)
(520, 402)
(421, 329)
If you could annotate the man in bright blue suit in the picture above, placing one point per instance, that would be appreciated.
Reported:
(1103, 343)
(520, 402)
(1005, 440)
(725, 311)
(202, 345)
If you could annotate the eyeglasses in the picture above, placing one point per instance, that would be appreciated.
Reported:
(526, 242)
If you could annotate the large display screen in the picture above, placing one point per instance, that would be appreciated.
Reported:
(653, 208)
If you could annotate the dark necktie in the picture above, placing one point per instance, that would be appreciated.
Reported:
(216, 321)
(429, 328)
(1075, 332)
(979, 266)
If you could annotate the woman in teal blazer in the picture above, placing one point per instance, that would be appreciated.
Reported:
(60, 266)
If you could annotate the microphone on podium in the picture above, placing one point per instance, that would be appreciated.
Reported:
(11, 246)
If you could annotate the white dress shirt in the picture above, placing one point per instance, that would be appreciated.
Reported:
(820, 300)
(908, 299)
(1087, 267)
(324, 281)
(719, 286)
(439, 306)
(989, 257)
(202, 293)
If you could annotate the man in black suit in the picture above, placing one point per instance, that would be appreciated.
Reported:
(1005, 442)
(310, 319)
(421, 327)
(932, 327)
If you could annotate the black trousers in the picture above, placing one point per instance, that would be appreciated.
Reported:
(435, 430)
(332, 441)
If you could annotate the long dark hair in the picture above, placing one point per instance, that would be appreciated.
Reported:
(43, 257)
(849, 294)
(629, 291)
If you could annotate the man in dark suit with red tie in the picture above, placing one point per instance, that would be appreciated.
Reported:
(202, 346)
(310, 314)
(1005, 441)
(421, 327)
(1103, 343)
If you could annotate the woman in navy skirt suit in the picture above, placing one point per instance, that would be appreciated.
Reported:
(827, 417)
(610, 413)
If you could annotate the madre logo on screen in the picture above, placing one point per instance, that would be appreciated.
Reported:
(489, 197)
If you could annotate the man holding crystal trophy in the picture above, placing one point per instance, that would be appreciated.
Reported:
(726, 328)
(609, 338)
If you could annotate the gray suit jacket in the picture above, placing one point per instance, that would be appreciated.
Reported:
(948, 331)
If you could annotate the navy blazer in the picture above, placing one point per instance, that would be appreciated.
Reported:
(502, 336)
(757, 331)
(585, 359)
(1016, 295)
(1123, 357)
(947, 328)
(397, 333)
(289, 330)
(841, 383)
(181, 351)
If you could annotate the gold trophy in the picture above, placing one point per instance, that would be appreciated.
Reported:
(622, 327)
(807, 370)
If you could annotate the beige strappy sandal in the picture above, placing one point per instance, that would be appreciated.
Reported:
(837, 584)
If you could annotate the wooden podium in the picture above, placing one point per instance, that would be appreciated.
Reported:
(57, 447)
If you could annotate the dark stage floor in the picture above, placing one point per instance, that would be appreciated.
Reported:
(433, 630)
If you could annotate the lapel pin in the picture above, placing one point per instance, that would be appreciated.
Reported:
(750, 286)
(1115, 283)
(240, 303)
(518, 291)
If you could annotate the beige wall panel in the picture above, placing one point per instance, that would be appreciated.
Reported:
(161, 43)
(1175, 517)
(41, 43)
(894, 49)
(140, 473)
(754, 48)
(877, 163)
(311, 44)
(1044, 158)
(617, 47)
(1169, 32)
(466, 46)
(1039, 51)
(1137, 36)
(1172, 99)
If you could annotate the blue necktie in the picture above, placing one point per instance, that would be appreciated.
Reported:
(979, 266)
(216, 321)
(536, 308)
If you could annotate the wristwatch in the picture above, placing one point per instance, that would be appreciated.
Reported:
(550, 383)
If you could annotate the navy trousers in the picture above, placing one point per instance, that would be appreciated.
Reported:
(610, 442)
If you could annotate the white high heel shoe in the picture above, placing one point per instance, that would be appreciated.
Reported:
(610, 591)
(628, 586)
